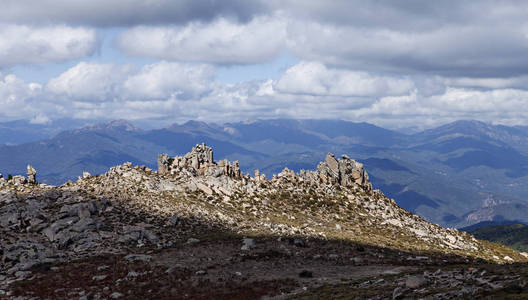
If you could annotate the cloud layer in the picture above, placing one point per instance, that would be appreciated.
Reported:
(172, 92)
(221, 41)
(20, 44)
(397, 63)
(101, 13)
(448, 38)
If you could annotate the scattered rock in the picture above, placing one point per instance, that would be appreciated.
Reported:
(174, 220)
(357, 260)
(191, 241)
(397, 293)
(116, 295)
(132, 274)
(102, 268)
(99, 277)
(138, 257)
(297, 242)
(248, 244)
(414, 282)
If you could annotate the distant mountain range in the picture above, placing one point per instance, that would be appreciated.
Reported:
(458, 174)
(23, 131)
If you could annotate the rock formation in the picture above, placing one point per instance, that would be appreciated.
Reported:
(345, 171)
(31, 174)
(198, 162)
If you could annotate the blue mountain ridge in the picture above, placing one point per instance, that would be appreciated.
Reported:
(457, 174)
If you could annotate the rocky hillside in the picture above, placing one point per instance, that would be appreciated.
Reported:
(131, 222)
(456, 175)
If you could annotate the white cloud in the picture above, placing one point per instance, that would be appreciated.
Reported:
(92, 82)
(395, 63)
(177, 92)
(20, 44)
(107, 91)
(316, 79)
(221, 41)
(89, 82)
(164, 80)
(520, 82)
(472, 50)
(503, 106)
(449, 38)
(16, 97)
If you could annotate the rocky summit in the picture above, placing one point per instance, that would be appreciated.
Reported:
(197, 228)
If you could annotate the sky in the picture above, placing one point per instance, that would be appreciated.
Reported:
(397, 64)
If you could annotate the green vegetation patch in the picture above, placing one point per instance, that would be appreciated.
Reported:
(512, 235)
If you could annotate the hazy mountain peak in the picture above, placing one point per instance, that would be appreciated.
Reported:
(461, 125)
(195, 123)
(120, 124)
(459, 128)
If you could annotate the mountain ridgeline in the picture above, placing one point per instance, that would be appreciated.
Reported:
(455, 175)
(201, 228)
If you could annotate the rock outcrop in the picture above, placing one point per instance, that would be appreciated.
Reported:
(344, 172)
(199, 162)
(31, 175)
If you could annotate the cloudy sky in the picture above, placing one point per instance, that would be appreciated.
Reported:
(396, 63)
